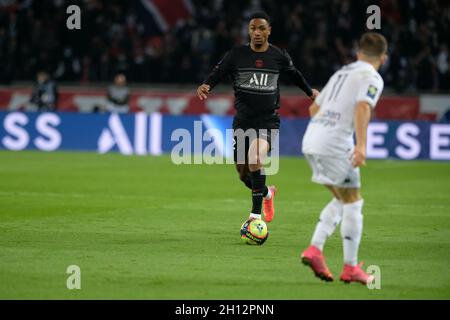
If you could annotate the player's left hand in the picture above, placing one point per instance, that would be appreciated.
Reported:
(314, 95)
(358, 157)
(203, 91)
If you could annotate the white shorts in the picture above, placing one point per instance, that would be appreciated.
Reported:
(333, 171)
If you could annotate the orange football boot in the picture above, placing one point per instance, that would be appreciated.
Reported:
(269, 209)
(355, 274)
(314, 258)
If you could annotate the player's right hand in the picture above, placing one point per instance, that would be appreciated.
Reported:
(358, 157)
(203, 91)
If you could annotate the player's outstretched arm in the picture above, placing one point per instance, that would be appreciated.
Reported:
(222, 69)
(362, 118)
(297, 77)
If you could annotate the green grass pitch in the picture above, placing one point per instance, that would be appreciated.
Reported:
(143, 228)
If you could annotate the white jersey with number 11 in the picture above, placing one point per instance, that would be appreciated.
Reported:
(330, 131)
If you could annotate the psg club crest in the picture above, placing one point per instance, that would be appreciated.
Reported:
(259, 63)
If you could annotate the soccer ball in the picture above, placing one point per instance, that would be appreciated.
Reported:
(254, 232)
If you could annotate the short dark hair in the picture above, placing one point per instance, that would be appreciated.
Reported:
(373, 44)
(260, 15)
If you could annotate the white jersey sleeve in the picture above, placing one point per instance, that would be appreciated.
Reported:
(321, 97)
(370, 89)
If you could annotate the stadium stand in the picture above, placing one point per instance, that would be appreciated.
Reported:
(129, 37)
(119, 36)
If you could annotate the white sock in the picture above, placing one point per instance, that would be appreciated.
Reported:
(351, 231)
(254, 215)
(268, 195)
(329, 218)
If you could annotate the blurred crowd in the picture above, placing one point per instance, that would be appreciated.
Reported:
(320, 35)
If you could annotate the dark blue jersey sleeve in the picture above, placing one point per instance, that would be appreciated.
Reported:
(222, 69)
(294, 74)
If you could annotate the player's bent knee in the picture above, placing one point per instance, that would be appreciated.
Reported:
(255, 167)
(334, 191)
(254, 162)
(349, 195)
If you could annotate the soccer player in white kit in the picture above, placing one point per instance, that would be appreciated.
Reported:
(343, 109)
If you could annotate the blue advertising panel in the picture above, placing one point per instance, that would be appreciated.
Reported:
(154, 134)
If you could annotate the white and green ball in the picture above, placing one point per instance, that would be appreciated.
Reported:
(254, 232)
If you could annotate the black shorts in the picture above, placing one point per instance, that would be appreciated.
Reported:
(246, 129)
(242, 140)
(267, 121)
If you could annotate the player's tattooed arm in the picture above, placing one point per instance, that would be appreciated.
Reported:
(362, 117)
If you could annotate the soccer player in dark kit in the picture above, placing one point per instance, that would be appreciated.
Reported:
(254, 70)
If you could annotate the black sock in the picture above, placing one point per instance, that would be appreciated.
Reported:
(259, 190)
(247, 180)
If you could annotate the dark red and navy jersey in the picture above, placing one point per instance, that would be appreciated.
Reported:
(255, 79)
